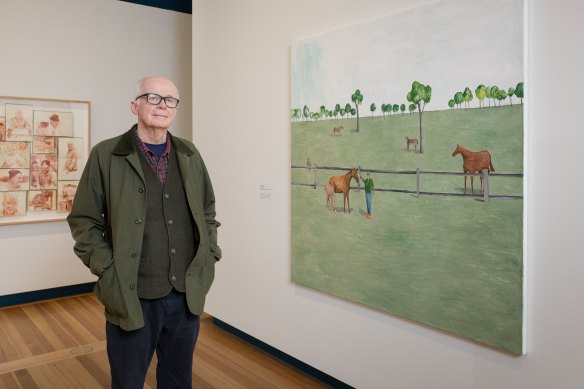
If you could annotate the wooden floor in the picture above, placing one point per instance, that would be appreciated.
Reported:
(61, 344)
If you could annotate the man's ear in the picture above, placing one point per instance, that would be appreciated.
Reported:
(134, 107)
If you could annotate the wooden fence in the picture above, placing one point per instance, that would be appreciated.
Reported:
(418, 173)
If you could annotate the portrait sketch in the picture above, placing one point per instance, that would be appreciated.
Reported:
(52, 123)
(14, 155)
(42, 200)
(44, 144)
(2, 128)
(19, 122)
(12, 204)
(43, 171)
(14, 179)
(70, 150)
(67, 190)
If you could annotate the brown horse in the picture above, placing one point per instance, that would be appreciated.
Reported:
(474, 162)
(336, 130)
(330, 197)
(341, 184)
(411, 141)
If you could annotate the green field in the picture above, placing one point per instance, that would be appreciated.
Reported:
(450, 262)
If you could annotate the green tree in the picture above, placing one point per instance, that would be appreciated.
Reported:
(458, 99)
(494, 93)
(322, 112)
(481, 93)
(342, 112)
(451, 103)
(501, 95)
(510, 93)
(489, 94)
(383, 109)
(295, 114)
(467, 97)
(420, 95)
(337, 110)
(519, 91)
(348, 108)
(402, 108)
(395, 108)
(372, 108)
(306, 112)
(412, 108)
(357, 98)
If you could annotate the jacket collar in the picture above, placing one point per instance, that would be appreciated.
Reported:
(126, 145)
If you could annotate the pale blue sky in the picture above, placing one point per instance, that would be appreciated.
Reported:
(449, 45)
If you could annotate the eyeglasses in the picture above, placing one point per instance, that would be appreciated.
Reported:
(154, 99)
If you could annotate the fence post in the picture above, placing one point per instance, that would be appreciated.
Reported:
(486, 184)
(314, 175)
(417, 182)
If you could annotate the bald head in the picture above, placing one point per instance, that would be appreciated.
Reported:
(146, 85)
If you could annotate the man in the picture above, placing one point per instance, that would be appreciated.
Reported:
(14, 179)
(369, 189)
(47, 175)
(71, 158)
(143, 220)
(54, 125)
(10, 205)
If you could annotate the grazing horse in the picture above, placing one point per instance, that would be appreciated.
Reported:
(336, 130)
(474, 162)
(411, 141)
(330, 197)
(341, 184)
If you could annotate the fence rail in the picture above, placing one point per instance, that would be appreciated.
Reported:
(418, 173)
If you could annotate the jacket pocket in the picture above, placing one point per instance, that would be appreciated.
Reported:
(109, 291)
(208, 272)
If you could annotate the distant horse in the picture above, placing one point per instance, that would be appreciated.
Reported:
(341, 184)
(474, 162)
(411, 142)
(336, 130)
(330, 197)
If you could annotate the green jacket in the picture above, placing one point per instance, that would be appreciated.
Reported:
(107, 224)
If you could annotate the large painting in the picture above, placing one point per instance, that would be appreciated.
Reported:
(407, 167)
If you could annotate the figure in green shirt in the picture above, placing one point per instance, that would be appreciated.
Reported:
(369, 189)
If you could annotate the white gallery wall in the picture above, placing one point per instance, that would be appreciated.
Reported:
(92, 50)
(241, 96)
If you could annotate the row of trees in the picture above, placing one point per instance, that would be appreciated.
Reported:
(389, 108)
(483, 92)
(418, 96)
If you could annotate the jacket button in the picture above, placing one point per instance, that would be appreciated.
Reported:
(166, 195)
(173, 278)
(170, 222)
(132, 286)
(138, 221)
(141, 190)
(172, 251)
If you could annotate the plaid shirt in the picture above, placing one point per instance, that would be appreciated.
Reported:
(159, 165)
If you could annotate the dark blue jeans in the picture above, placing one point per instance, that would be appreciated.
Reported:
(171, 330)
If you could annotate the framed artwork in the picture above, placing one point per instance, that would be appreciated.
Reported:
(44, 144)
(407, 151)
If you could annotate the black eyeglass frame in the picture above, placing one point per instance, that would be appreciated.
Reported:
(160, 98)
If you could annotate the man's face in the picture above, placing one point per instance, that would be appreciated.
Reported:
(155, 116)
(16, 179)
(10, 204)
